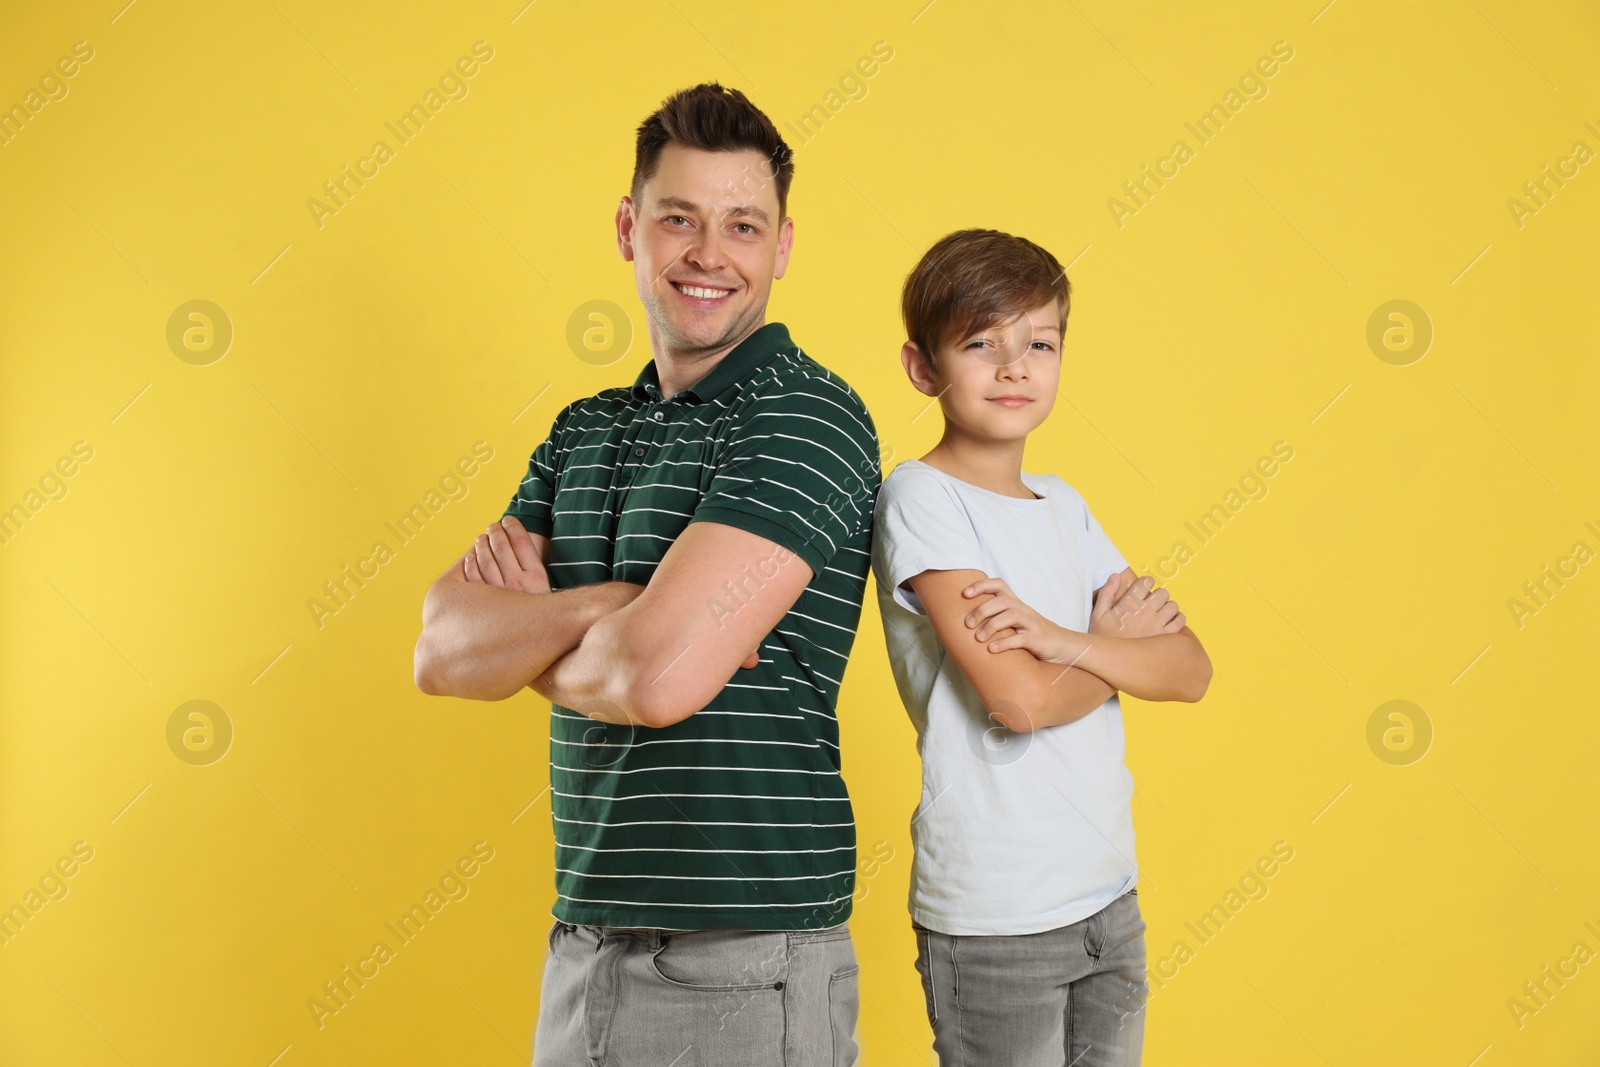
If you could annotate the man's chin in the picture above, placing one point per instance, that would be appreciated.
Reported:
(701, 331)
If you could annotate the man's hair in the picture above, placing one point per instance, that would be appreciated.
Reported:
(714, 119)
(971, 280)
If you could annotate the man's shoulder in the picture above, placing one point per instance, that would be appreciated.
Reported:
(798, 407)
(796, 378)
(599, 409)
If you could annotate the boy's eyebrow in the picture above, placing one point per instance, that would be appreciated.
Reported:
(740, 211)
(1046, 327)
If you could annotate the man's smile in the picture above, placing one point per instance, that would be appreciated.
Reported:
(700, 295)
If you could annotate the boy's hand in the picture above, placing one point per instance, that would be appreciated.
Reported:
(1123, 609)
(1005, 622)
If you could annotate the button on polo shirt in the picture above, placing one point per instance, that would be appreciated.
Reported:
(736, 816)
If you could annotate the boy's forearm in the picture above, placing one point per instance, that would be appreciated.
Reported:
(486, 643)
(1159, 667)
(1063, 694)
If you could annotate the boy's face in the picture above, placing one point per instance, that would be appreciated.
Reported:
(707, 220)
(1020, 358)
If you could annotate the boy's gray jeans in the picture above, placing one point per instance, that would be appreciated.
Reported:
(1069, 997)
(627, 997)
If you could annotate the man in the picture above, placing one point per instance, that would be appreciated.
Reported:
(716, 515)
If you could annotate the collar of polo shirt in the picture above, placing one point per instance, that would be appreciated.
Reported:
(738, 364)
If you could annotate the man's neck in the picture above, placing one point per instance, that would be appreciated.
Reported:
(677, 368)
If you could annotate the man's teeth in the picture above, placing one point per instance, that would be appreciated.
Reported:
(702, 294)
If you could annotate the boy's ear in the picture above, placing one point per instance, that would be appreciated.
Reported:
(916, 365)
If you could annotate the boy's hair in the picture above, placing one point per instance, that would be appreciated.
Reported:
(971, 280)
(714, 119)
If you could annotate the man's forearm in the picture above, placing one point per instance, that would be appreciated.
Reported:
(486, 643)
(591, 679)
(1159, 667)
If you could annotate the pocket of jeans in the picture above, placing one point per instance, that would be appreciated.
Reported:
(716, 961)
(555, 928)
(844, 1000)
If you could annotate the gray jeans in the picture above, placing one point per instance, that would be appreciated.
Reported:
(624, 997)
(1069, 997)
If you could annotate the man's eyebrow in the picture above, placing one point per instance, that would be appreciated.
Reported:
(741, 211)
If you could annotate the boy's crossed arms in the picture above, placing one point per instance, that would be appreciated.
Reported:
(1021, 663)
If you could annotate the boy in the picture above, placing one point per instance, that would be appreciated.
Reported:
(1030, 944)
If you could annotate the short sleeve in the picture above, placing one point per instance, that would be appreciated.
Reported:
(534, 499)
(801, 469)
(1100, 557)
(920, 526)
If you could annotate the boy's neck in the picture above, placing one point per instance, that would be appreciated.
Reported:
(992, 465)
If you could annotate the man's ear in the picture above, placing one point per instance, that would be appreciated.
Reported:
(625, 222)
(780, 265)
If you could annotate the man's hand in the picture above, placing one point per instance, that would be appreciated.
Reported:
(1124, 609)
(505, 556)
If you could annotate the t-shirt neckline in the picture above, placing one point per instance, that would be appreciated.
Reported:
(1032, 481)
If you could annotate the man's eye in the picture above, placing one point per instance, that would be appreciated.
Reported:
(679, 218)
(746, 226)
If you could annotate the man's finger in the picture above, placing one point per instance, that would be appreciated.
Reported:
(521, 543)
(486, 562)
(504, 554)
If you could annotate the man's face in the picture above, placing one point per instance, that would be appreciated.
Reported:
(1020, 358)
(706, 244)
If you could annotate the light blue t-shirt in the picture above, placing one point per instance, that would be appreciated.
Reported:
(1015, 833)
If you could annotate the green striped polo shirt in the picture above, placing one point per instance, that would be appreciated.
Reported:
(736, 816)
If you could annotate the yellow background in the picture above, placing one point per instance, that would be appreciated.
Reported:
(369, 354)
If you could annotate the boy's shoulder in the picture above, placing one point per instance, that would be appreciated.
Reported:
(913, 478)
(912, 481)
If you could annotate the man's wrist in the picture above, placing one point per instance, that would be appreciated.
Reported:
(599, 599)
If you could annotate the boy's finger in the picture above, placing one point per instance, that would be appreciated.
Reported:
(1005, 644)
(989, 607)
(1001, 621)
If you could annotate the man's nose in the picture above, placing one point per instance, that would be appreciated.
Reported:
(706, 251)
